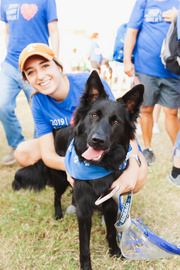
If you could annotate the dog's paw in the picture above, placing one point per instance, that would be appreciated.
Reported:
(58, 214)
(70, 210)
(57, 217)
(115, 252)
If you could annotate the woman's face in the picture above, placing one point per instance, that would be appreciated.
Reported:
(44, 76)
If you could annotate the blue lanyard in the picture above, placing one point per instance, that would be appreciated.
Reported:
(124, 221)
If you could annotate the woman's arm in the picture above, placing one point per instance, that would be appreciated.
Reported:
(50, 157)
(48, 152)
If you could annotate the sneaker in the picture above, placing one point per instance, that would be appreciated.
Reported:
(149, 156)
(155, 129)
(9, 159)
(70, 210)
(174, 181)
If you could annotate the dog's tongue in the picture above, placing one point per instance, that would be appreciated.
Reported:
(91, 153)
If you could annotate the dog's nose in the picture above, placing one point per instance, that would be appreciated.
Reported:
(98, 140)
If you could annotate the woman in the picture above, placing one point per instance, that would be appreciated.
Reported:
(53, 103)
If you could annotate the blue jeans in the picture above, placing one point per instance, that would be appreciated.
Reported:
(11, 83)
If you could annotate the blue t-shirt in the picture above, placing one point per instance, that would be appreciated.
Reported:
(49, 114)
(95, 52)
(147, 17)
(28, 23)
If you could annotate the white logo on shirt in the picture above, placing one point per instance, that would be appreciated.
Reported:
(76, 159)
(12, 13)
(59, 122)
(153, 15)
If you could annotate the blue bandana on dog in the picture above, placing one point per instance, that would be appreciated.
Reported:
(84, 170)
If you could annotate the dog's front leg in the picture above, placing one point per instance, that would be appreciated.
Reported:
(57, 205)
(110, 214)
(84, 241)
(83, 196)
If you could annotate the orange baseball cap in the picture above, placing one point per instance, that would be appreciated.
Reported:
(35, 49)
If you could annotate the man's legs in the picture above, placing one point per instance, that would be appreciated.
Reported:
(174, 176)
(171, 123)
(147, 125)
(9, 89)
(150, 97)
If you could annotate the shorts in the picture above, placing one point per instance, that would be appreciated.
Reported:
(163, 91)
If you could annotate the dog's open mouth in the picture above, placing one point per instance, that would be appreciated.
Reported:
(93, 154)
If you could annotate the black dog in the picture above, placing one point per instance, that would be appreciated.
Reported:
(102, 131)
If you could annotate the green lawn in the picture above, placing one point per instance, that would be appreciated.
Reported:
(30, 237)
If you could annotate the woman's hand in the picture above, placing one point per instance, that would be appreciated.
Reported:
(70, 180)
(170, 14)
(134, 177)
(127, 180)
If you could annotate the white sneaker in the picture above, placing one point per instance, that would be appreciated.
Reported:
(155, 129)
(9, 159)
(71, 209)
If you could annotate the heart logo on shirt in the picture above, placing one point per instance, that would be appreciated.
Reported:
(28, 11)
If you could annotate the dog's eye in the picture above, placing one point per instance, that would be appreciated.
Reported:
(116, 122)
(94, 116)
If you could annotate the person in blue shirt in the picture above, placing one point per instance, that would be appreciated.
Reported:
(147, 27)
(55, 98)
(174, 175)
(95, 54)
(26, 21)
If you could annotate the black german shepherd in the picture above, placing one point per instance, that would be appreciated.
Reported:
(102, 130)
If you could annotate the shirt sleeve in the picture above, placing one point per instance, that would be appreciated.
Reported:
(41, 124)
(137, 15)
(51, 11)
(3, 13)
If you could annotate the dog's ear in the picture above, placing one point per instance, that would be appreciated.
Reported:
(133, 100)
(94, 88)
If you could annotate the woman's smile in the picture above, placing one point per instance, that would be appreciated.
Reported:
(46, 83)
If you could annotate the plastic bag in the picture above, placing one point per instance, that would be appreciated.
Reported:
(142, 244)
(137, 241)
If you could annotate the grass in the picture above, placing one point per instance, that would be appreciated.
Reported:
(30, 237)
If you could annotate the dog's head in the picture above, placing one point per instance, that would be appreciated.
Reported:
(104, 126)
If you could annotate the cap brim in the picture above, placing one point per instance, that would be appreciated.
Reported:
(45, 55)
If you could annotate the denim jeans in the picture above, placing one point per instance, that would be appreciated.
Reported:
(11, 83)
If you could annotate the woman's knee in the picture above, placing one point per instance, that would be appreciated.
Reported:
(27, 153)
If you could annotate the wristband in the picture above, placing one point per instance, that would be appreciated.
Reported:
(136, 158)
